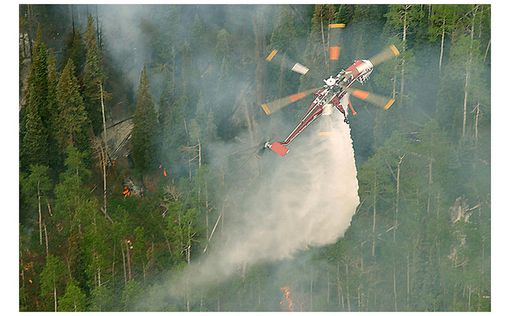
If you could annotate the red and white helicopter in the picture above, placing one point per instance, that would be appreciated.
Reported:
(335, 92)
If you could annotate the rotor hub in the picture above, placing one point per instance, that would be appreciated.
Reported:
(330, 81)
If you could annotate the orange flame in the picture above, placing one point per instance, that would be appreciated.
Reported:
(286, 293)
(126, 191)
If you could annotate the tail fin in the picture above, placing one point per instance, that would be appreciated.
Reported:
(278, 148)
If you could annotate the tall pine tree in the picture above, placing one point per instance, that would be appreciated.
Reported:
(34, 141)
(73, 121)
(38, 80)
(93, 76)
(145, 126)
(52, 106)
(34, 148)
(75, 51)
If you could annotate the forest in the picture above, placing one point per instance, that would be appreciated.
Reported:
(139, 127)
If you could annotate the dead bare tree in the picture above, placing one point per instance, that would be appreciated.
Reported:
(105, 154)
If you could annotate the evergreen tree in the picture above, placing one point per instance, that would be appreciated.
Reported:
(34, 147)
(93, 77)
(145, 127)
(73, 300)
(171, 120)
(38, 79)
(55, 158)
(74, 50)
(34, 136)
(73, 123)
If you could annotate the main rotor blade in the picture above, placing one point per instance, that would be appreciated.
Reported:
(388, 53)
(271, 107)
(334, 40)
(277, 58)
(378, 100)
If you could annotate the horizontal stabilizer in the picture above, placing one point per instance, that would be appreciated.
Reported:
(278, 148)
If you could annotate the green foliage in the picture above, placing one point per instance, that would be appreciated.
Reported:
(73, 206)
(36, 183)
(406, 16)
(34, 142)
(74, 51)
(52, 121)
(72, 119)
(38, 79)
(463, 82)
(181, 223)
(171, 120)
(52, 280)
(145, 128)
(101, 299)
(130, 294)
(73, 300)
(93, 77)
(442, 20)
(34, 146)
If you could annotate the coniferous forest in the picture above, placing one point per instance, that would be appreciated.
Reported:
(122, 114)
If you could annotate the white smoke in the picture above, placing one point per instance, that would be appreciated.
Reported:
(306, 198)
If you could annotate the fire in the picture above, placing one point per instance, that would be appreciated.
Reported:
(286, 294)
(126, 192)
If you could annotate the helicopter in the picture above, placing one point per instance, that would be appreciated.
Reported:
(335, 92)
